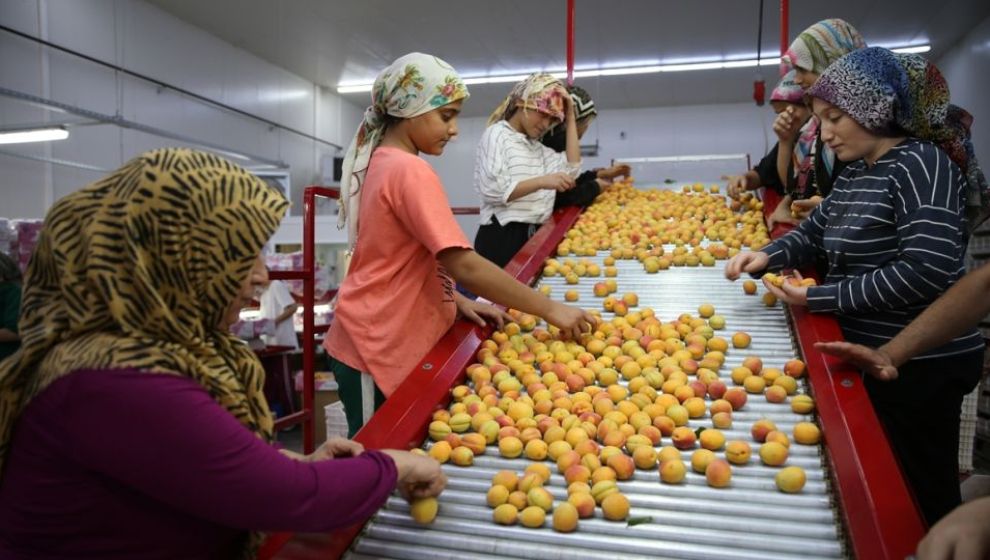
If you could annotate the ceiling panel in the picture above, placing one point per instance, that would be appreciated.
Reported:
(329, 42)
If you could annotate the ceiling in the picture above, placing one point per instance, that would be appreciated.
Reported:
(332, 42)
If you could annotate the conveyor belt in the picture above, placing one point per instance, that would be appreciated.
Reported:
(751, 519)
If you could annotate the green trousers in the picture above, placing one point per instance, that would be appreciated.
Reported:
(350, 391)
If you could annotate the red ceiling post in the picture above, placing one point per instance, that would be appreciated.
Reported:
(570, 42)
(785, 9)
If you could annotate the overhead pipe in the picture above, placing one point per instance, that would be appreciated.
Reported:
(570, 42)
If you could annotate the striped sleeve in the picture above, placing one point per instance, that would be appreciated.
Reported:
(491, 176)
(556, 162)
(925, 191)
(801, 244)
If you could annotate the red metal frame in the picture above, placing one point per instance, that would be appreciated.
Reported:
(881, 518)
(570, 42)
(785, 16)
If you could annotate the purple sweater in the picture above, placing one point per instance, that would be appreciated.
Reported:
(123, 464)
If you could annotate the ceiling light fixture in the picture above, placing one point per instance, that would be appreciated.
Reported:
(25, 135)
(629, 70)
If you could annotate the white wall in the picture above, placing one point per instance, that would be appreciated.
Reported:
(966, 68)
(661, 131)
(144, 39)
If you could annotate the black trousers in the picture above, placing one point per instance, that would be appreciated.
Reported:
(920, 413)
(499, 243)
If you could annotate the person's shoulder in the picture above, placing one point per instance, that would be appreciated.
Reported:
(915, 155)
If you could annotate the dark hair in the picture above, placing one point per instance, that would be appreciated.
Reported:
(390, 120)
(9, 271)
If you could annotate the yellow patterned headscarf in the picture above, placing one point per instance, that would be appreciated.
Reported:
(136, 271)
(539, 92)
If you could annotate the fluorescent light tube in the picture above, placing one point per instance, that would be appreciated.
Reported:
(33, 135)
(631, 70)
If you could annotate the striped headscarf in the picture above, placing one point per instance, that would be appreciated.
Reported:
(584, 111)
(413, 85)
(822, 44)
(890, 94)
(538, 92)
(136, 270)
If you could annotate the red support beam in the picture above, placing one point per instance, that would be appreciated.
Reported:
(570, 42)
(785, 16)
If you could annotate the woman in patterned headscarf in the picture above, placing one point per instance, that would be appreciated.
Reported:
(589, 184)
(398, 298)
(130, 419)
(809, 55)
(516, 176)
(894, 235)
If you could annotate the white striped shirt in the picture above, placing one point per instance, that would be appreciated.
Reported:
(505, 158)
(894, 237)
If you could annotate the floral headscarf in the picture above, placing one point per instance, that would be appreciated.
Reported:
(539, 92)
(414, 84)
(822, 44)
(890, 93)
(802, 159)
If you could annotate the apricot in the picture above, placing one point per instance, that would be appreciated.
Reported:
(718, 473)
(440, 451)
(536, 450)
(695, 407)
(761, 428)
(571, 295)
(706, 310)
(645, 457)
(615, 507)
(773, 454)
(529, 481)
(460, 422)
(540, 497)
(716, 322)
(532, 517)
(672, 472)
(779, 437)
(584, 504)
(558, 448)
(806, 433)
(700, 460)
(510, 447)
(630, 299)
(508, 479)
(741, 340)
(749, 287)
(462, 456)
(668, 453)
(603, 489)
(602, 473)
(753, 363)
(794, 368)
(722, 420)
(565, 517)
(623, 466)
(791, 479)
(475, 442)
(439, 430)
(711, 439)
(736, 397)
(754, 384)
(517, 499)
(775, 394)
(497, 495)
(540, 470)
(683, 437)
(802, 404)
(738, 452)
(577, 473)
(788, 383)
(424, 510)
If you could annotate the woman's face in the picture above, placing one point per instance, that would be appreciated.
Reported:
(847, 138)
(533, 123)
(250, 288)
(804, 78)
(431, 131)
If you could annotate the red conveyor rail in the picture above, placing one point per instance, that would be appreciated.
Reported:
(878, 512)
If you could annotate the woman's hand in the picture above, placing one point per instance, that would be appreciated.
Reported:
(787, 125)
(481, 313)
(738, 184)
(572, 321)
(787, 292)
(960, 535)
(873, 361)
(802, 208)
(332, 448)
(614, 171)
(560, 182)
(750, 262)
(418, 477)
(782, 214)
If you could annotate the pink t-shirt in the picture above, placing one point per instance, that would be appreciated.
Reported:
(397, 300)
